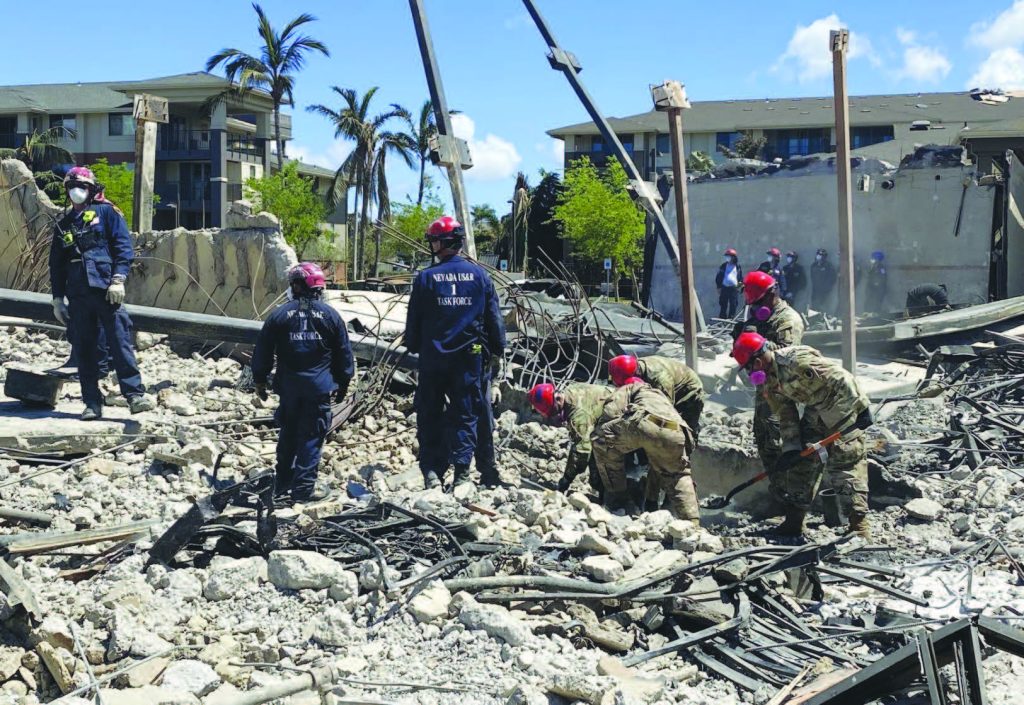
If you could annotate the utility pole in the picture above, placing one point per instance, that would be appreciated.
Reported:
(147, 111)
(840, 42)
(671, 97)
(445, 148)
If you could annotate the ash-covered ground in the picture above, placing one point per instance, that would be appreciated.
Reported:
(240, 623)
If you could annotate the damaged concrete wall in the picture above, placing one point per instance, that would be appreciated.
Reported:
(915, 223)
(237, 272)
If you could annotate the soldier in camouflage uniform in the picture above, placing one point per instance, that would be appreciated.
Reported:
(833, 401)
(781, 325)
(578, 406)
(638, 416)
(675, 380)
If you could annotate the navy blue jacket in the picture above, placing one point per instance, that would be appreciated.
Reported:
(453, 305)
(310, 342)
(99, 237)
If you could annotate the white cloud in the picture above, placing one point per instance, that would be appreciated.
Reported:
(552, 151)
(517, 21)
(807, 56)
(1004, 68)
(494, 158)
(921, 63)
(331, 158)
(1005, 31)
(558, 149)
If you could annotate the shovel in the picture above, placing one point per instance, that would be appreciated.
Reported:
(722, 502)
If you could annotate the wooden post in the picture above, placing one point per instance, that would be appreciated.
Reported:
(148, 111)
(839, 42)
(671, 97)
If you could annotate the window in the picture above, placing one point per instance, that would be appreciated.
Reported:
(727, 139)
(663, 144)
(120, 125)
(797, 142)
(627, 141)
(252, 171)
(68, 122)
(597, 143)
(864, 136)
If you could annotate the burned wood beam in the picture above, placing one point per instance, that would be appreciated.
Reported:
(31, 544)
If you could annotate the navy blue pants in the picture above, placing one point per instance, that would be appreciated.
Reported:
(102, 350)
(91, 312)
(728, 300)
(448, 402)
(304, 422)
(485, 426)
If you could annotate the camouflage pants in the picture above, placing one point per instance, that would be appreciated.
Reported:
(690, 411)
(767, 436)
(847, 470)
(667, 445)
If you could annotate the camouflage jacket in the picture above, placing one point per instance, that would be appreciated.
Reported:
(800, 375)
(634, 398)
(584, 404)
(783, 328)
(671, 377)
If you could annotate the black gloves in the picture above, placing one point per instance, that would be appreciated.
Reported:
(786, 461)
(261, 390)
(864, 419)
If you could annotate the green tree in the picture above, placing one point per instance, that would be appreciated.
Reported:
(599, 217)
(280, 57)
(40, 152)
(421, 133)
(486, 226)
(366, 165)
(292, 198)
(412, 220)
(746, 147)
(699, 163)
(118, 185)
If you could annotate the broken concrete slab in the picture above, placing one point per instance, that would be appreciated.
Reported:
(60, 430)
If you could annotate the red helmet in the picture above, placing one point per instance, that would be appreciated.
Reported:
(542, 399)
(446, 228)
(309, 274)
(621, 368)
(730, 251)
(634, 380)
(747, 347)
(774, 252)
(756, 284)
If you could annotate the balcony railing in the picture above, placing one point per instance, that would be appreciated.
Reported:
(242, 147)
(182, 144)
(183, 195)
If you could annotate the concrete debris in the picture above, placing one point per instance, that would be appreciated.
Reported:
(218, 619)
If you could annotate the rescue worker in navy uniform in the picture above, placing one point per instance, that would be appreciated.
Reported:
(90, 255)
(314, 362)
(455, 326)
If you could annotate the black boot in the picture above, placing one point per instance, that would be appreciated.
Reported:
(461, 475)
(489, 477)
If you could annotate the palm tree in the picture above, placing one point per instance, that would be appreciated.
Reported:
(281, 56)
(42, 150)
(365, 166)
(422, 132)
(521, 201)
(486, 225)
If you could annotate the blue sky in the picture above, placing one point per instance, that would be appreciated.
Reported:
(494, 67)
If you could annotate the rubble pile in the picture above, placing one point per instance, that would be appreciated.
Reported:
(518, 595)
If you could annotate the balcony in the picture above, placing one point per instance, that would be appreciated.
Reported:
(186, 196)
(182, 144)
(600, 159)
(245, 148)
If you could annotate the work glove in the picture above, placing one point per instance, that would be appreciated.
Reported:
(495, 395)
(786, 461)
(60, 310)
(865, 419)
(261, 391)
(115, 293)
